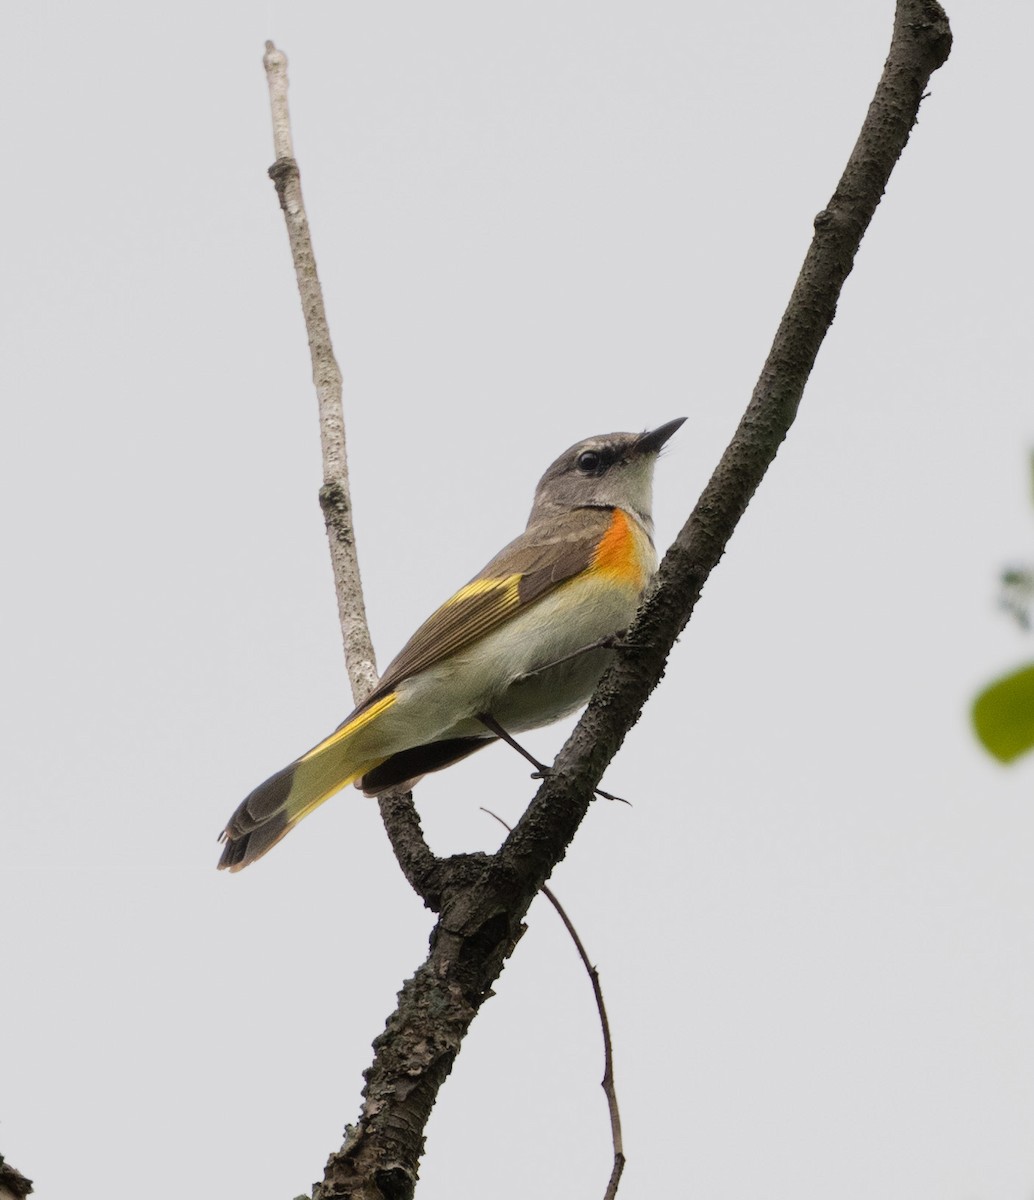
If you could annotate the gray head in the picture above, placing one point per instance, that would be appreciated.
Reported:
(611, 470)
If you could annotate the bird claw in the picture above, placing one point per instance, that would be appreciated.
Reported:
(547, 771)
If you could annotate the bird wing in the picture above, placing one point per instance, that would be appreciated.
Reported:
(530, 567)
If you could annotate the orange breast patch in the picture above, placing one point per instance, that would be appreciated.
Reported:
(618, 554)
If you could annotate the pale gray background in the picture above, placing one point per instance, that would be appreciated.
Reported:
(534, 222)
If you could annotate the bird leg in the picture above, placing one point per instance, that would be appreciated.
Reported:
(613, 641)
(541, 770)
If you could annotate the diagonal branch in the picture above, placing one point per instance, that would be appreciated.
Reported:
(482, 899)
(920, 43)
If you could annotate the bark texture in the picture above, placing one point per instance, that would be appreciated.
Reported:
(335, 500)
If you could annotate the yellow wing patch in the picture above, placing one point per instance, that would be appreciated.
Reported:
(506, 589)
(473, 611)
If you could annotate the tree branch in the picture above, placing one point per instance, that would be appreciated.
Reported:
(920, 44)
(335, 498)
(13, 1183)
(482, 899)
(400, 818)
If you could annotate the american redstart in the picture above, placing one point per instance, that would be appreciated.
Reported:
(523, 644)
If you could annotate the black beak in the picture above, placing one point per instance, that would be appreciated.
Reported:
(650, 443)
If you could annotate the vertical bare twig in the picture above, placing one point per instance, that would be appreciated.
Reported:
(400, 818)
(335, 497)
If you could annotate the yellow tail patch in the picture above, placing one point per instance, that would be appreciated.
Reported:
(326, 768)
(357, 722)
(315, 792)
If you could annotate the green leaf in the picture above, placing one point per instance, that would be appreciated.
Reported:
(1003, 715)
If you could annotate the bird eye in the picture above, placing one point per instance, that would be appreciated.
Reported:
(589, 461)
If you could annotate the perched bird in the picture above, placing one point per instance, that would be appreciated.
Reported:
(521, 645)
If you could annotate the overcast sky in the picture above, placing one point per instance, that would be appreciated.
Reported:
(815, 923)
